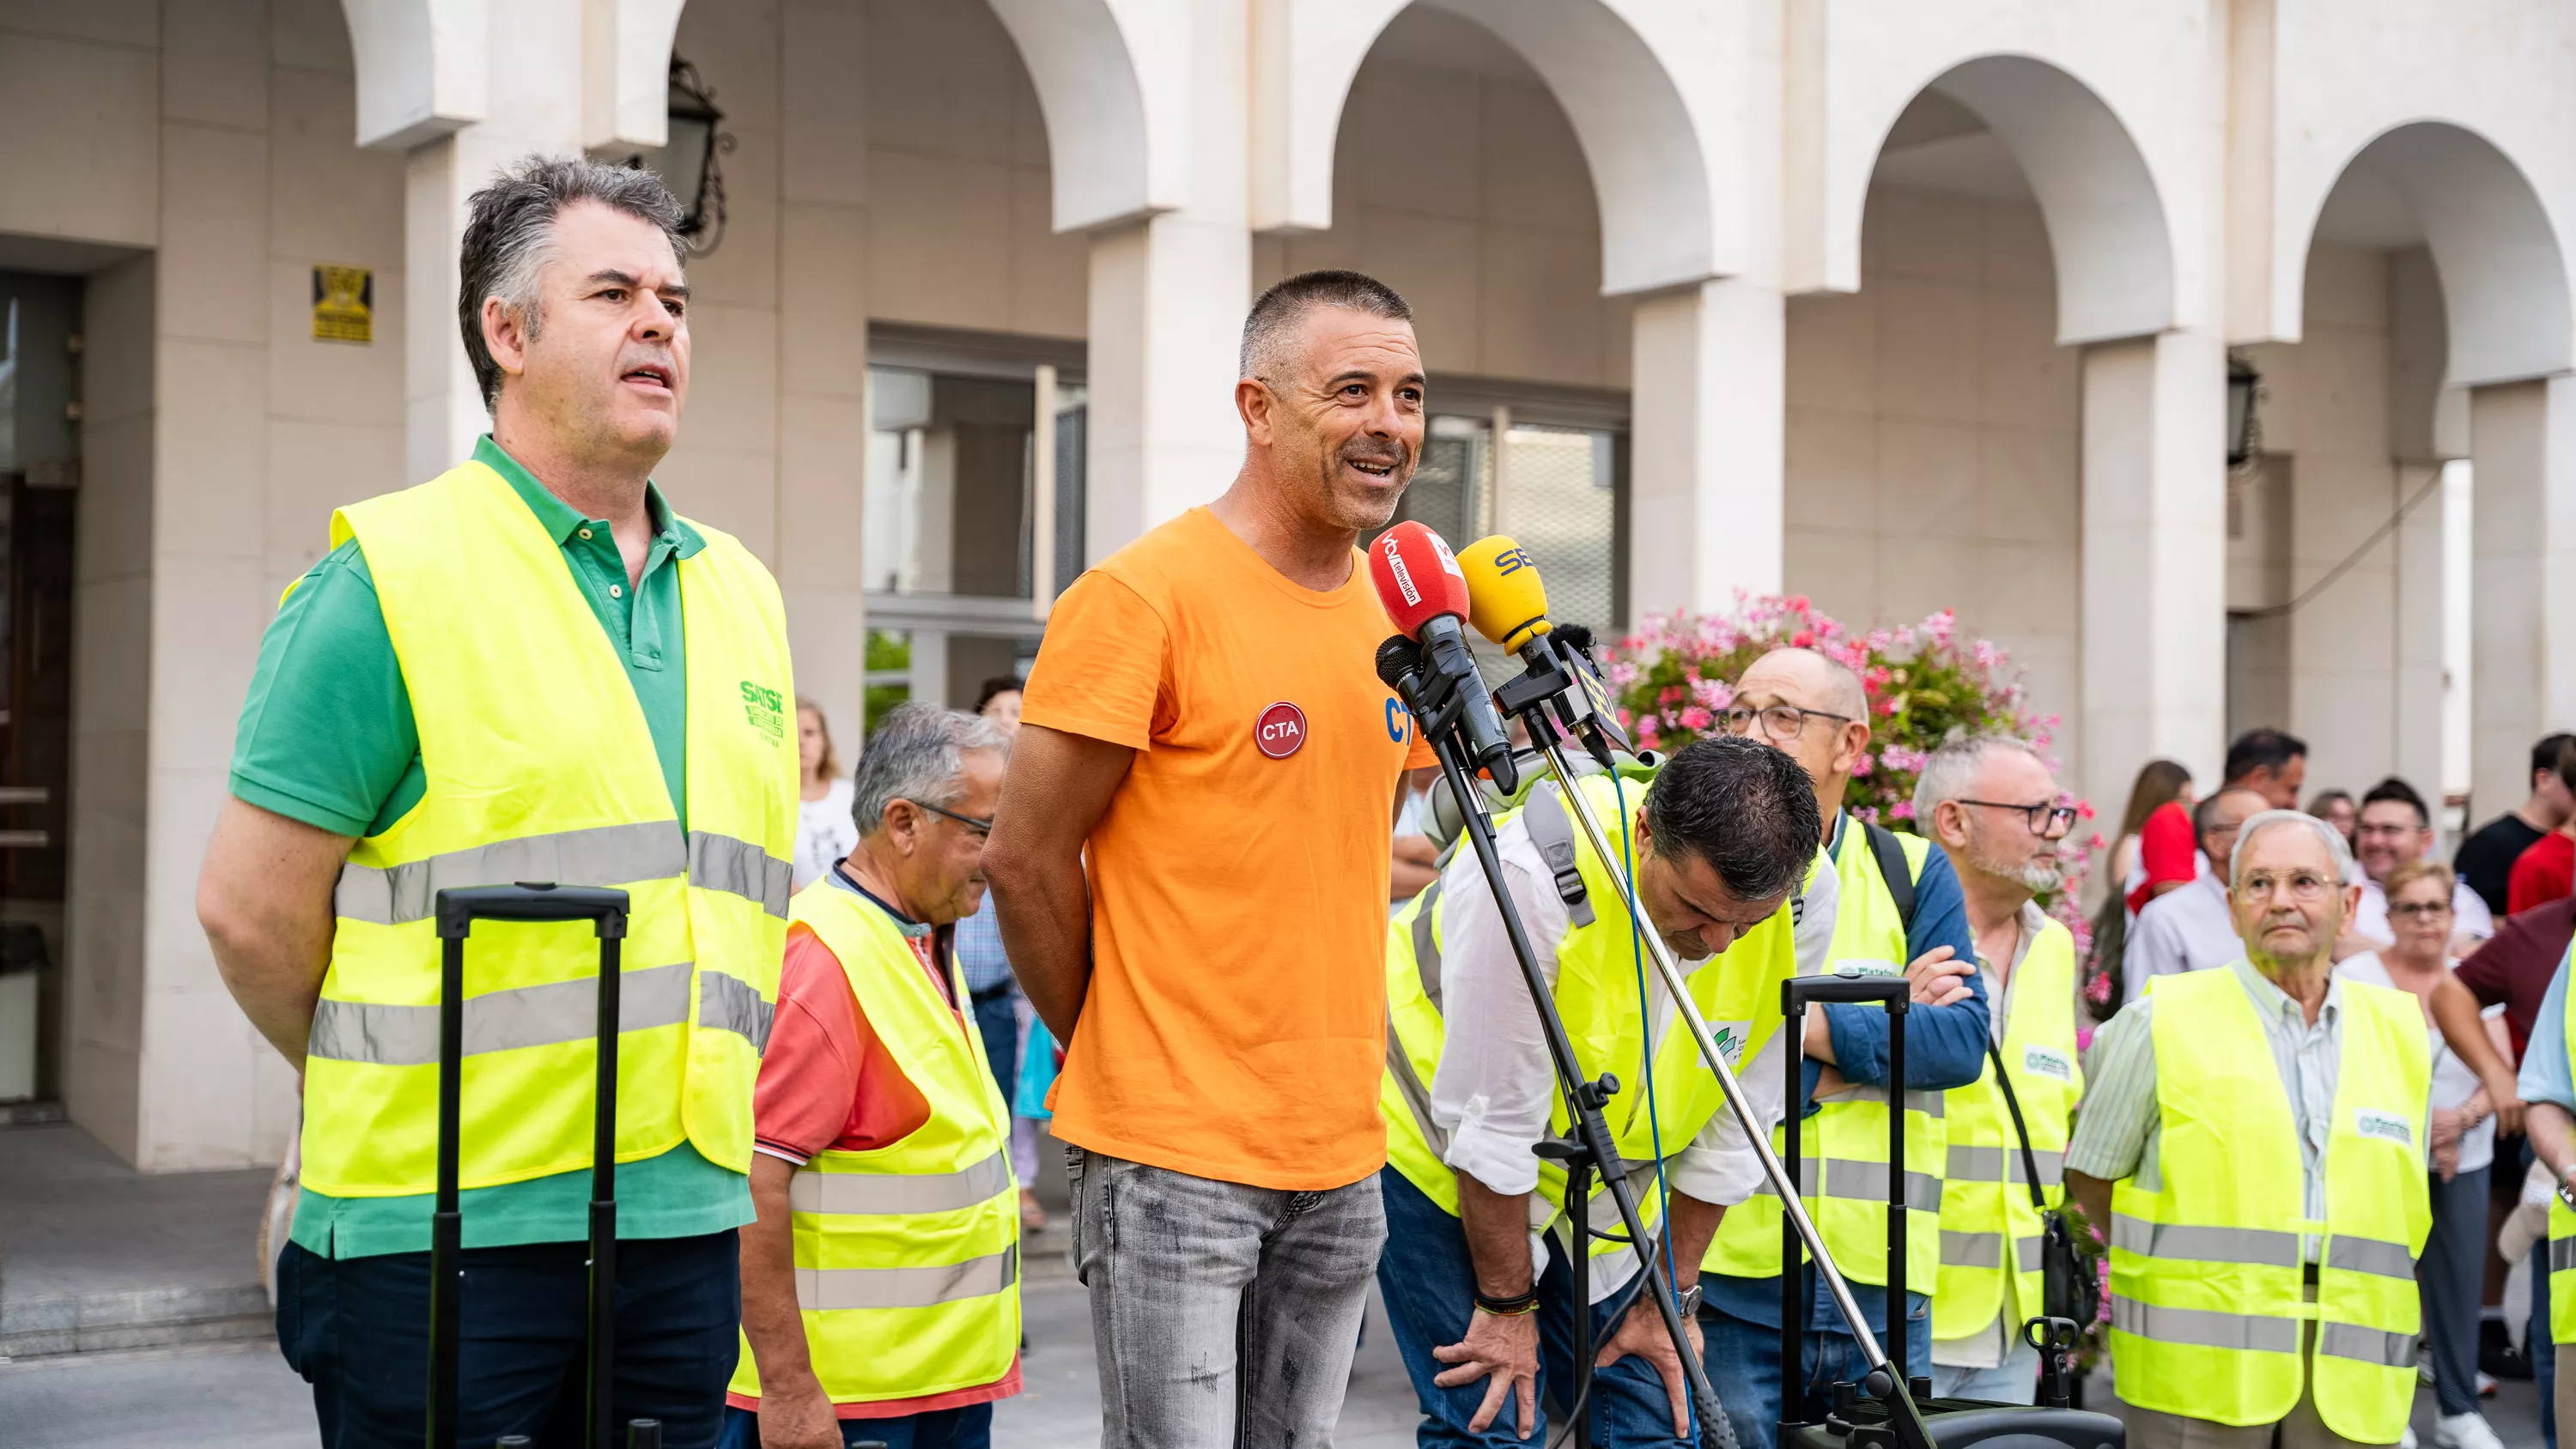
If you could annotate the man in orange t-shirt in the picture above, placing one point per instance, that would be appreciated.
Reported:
(1205, 717)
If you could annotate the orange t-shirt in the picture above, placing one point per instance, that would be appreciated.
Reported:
(1236, 1020)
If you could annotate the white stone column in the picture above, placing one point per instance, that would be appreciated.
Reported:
(2522, 443)
(823, 359)
(534, 58)
(1167, 302)
(2415, 704)
(1710, 396)
(2155, 561)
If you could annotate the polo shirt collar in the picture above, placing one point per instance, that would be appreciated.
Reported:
(561, 520)
(2270, 998)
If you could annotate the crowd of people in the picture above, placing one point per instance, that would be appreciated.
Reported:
(1173, 897)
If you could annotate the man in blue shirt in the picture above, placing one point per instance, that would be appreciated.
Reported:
(1817, 710)
(2549, 1086)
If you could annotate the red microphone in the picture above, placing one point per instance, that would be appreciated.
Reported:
(1417, 577)
(1425, 593)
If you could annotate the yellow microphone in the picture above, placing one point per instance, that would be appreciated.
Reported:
(1505, 600)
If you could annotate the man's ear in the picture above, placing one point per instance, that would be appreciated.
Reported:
(1256, 404)
(504, 338)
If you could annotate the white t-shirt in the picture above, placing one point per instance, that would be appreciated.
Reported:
(824, 833)
(2453, 1082)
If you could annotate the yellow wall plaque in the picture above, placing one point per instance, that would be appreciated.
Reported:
(344, 304)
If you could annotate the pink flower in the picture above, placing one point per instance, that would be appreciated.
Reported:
(1694, 718)
(1902, 810)
(1888, 709)
(1861, 767)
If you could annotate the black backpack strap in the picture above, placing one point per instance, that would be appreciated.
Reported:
(1893, 869)
(1553, 833)
(2029, 1162)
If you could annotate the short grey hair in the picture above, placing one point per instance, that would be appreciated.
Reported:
(1274, 318)
(2265, 820)
(509, 235)
(1949, 771)
(917, 753)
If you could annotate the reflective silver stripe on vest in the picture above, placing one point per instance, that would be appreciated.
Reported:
(2562, 1255)
(738, 867)
(729, 1003)
(1864, 1182)
(2262, 1247)
(1416, 1100)
(831, 1288)
(2367, 1345)
(1989, 1164)
(2204, 1328)
(1930, 1104)
(2371, 1255)
(2026, 1255)
(603, 855)
(857, 1194)
(1971, 1250)
(1426, 948)
(499, 1021)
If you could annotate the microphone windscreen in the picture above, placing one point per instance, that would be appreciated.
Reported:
(1506, 601)
(1574, 637)
(1417, 577)
(1396, 658)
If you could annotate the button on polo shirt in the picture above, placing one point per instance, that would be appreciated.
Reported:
(327, 737)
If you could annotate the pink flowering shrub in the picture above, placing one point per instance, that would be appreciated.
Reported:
(1676, 675)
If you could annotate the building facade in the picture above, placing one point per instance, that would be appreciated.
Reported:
(1901, 306)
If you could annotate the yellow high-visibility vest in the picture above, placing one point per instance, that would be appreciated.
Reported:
(1843, 1177)
(541, 768)
(2207, 1300)
(907, 1256)
(1986, 1215)
(1597, 994)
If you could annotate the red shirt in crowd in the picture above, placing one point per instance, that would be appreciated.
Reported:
(2514, 967)
(826, 1081)
(2167, 850)
(2546, 872)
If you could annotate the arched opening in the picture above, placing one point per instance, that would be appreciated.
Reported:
(1459, 180)
(1936, 414)
(2389, 569)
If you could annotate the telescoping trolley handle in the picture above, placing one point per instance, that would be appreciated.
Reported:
(1795, 996)
(458, 908)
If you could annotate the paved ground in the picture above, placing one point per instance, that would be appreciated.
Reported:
(244, 1396)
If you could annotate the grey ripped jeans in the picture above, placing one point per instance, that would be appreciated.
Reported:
(1221, 1314)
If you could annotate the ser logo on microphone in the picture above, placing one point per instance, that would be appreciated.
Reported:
(1511, 561)
(1280, 731)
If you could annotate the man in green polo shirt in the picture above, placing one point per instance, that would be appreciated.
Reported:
(350, 745)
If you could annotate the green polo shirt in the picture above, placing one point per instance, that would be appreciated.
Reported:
(327, 737)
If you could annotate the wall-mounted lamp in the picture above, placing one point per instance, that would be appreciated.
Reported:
(2244, 429)
(687, 161)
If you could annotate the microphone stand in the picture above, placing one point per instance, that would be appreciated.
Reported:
(1528, 697)
(1436, 700)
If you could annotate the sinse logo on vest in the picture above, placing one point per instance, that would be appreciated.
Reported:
(766, 709)
(1280, 730)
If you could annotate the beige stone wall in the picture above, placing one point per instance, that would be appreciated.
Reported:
(1464, 189)
(1933, 437)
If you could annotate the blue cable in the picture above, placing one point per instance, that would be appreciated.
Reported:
(1637, 957)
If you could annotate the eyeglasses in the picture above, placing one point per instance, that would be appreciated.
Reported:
(1780, 722)
(2304, 887)
(983, 828)
(2047, 821)
(2426, 910)
(2387, 832)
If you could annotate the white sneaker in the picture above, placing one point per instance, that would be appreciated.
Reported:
(2408, 1442)
(2465, 1431)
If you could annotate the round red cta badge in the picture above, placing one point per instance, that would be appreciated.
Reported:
(1281, 730)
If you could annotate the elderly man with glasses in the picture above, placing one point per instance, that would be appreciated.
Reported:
(880, 1297)
(2254, 1142)
(1899, 910)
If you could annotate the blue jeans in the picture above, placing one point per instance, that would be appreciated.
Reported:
(1744, 1361)
(357, 1329)
(1429, 1284)
(968, 1428)
(1000, 1028)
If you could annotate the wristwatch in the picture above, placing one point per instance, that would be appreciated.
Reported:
(1688, 1300)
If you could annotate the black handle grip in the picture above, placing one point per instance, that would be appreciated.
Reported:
(643, 1434)
(1841, 986)
(459, 907)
